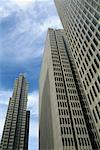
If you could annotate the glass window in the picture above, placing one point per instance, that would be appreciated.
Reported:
(95, 116)
(96, 63)
(97, 111)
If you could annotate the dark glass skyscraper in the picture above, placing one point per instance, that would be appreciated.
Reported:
(65, 115)
(16, 128)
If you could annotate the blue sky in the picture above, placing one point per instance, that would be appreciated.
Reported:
(23, 28)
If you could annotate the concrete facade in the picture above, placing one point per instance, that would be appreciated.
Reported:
(81, 22)
(16, 128)
(62, 122)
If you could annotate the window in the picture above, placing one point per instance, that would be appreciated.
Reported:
(84, 85)
(90, 34)
(86, 81)
(66, 141)
(92, 95)
(63, 141)
(99, 79)
(92, 28)
(98, 56)
(89, 77)
(84, 66)
(82, 70)
(95, 116)
(97, 111)
(97, 35)
(87, 38)
(91, 73)
(83, 31)
(88, 57)
(96, 63)
(84, 48)
(86, 61)
(97, 16)
(93, 47)
(94, 91)
(94, 22)
(85, 43)
(93, 68)
(90, 52)
(95, 41)
(97, 86)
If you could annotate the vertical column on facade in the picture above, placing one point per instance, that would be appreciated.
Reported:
(8, 121)
(15, 114)
(84, 103)
(7, 126)
(80, 20)
(23, 123)
(64, 114)
(76, 114)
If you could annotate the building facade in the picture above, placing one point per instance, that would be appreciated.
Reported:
(64, 110)
(16, 128)
(81, 22)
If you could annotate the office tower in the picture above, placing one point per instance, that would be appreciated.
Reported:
(81, 22)
(62, 118)
(16, 128)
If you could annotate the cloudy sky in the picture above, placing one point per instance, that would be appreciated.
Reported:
(23, 28)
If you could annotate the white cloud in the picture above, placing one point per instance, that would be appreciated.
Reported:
(34, 128)
(19, 41)
(4, 97)
(52, 22)
(22, 2)
(33, 102)
(33, 106)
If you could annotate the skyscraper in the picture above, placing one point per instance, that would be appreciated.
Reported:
(16, 128)
(64, 110)
(81, 22)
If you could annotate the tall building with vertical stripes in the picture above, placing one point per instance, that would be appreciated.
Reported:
(16, 128)
(65, 116)
(81, 22)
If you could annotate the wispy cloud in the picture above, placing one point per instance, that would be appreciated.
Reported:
(33, 101)
(23, 29)
(23, 2)
(33, 106)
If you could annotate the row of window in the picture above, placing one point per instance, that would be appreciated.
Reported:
(96, 113)
(57, 74)
(60, 90)
(66, 130)
(72, 91)
(79, 121)
(63, 111)
(59, 84)
(81, 130)
(68, 141)
(75, 104)
(61, 97)
(62, 104)
(92, 44)
(83, 141)
(74, 97)
(65, 121)
(77, 112)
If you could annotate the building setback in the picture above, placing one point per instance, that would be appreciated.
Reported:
(81, 22)
(62, 122)
(16, 128)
